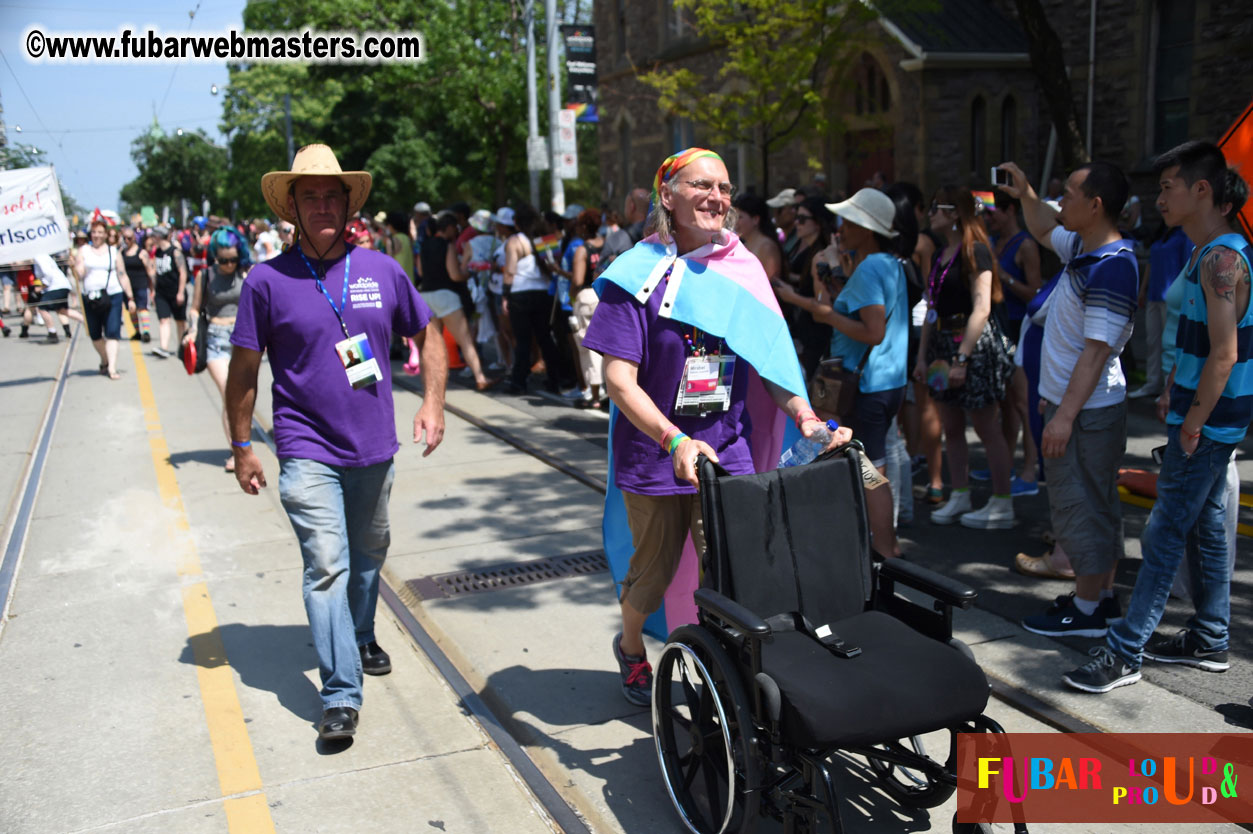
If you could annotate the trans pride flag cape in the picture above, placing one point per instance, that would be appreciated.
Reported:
(721, 289)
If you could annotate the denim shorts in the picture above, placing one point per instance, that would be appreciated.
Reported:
(218, 345)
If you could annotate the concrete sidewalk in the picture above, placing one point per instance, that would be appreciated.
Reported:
(161, 675)
(118, 725)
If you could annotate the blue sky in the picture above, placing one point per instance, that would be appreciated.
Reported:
(86, 115)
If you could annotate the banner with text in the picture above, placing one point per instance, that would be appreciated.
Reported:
(32, 220)
(581, 70)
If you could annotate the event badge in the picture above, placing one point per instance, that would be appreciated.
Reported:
(358, 361)
(706, 385)
(932, 315)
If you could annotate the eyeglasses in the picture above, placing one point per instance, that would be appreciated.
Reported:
(803, 218)
(726, 189)
(936, 207)
(227, 261)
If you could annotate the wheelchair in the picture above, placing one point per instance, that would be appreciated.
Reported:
(803, 650)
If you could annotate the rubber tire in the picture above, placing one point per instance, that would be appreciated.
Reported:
(728, 691)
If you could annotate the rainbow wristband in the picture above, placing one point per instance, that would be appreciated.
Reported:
(667, 434)
(676, 440)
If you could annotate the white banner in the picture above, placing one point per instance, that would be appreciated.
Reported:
(32, 220)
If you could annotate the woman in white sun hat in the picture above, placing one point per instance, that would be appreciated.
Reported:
(870, 321)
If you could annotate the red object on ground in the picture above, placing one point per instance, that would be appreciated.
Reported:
(454, 355)
(189, 357)
(1138, 482)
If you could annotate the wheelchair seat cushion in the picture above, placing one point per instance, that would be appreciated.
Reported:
(902, 684)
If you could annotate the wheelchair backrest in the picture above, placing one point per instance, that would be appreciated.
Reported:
(790, 540)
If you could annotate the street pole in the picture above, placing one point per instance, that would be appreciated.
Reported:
(291, 148)
(554, 105)
(532, 106)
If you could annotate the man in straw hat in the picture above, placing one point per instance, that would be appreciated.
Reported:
(325, 311)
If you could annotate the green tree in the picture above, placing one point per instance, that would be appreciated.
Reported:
(188, 166)
(779, 61)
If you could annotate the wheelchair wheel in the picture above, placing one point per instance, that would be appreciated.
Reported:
(703, 730)
(970, 827)
(910, 786)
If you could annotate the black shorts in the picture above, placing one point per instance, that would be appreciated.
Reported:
(871, 419)
(167, 308)
(54, 300)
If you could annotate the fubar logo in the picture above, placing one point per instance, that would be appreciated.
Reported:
(1103, 777)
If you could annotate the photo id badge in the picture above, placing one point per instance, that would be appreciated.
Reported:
(358, 361)
(706, 385)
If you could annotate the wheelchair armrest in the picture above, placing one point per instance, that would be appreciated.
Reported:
(731, 612)
(941, 587)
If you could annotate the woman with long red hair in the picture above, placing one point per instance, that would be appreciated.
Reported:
(965, 358)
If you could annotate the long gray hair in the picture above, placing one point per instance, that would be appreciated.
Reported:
(661, 220)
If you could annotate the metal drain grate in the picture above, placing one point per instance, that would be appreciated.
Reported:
(500, 577)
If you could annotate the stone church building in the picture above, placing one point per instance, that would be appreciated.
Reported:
(941, 93)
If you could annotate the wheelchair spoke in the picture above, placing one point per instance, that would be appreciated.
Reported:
(689, 693)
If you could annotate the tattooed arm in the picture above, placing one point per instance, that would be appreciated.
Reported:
(1225, 280)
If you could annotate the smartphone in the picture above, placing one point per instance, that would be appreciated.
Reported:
(1158, 452)
(1000, 177)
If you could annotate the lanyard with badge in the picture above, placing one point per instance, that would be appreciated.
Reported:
(354, 352)
(708, 375)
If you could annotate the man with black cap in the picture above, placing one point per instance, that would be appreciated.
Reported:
(325, 311)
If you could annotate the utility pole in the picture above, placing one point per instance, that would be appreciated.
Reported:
(532, 106)
(554, 105)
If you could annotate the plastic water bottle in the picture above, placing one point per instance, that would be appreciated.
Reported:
(808, 448)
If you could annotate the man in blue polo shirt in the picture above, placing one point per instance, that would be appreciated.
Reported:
(1208, 410)
(1082, 388)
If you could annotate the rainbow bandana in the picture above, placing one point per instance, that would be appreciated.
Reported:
(675, 163)
(721, 289)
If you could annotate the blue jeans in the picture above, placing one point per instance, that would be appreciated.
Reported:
(339, 514)
(1189, 519)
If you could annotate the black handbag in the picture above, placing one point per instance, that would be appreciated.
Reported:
(202, 324)
(833, 389)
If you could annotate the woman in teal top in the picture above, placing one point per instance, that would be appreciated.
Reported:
(870, 320)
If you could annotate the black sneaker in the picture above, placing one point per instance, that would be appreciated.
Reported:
(53, 338)
(1182, 649)
(5, 330)
(637, 675)
(66, 328)
(147, 337)
(374, 661)
(1108, 607)
(1105, 671)
(1064, 619)
(24, 333)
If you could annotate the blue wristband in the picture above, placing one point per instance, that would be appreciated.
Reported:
(243, 445)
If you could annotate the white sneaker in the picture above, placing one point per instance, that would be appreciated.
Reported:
(997, 514)
(958, 503)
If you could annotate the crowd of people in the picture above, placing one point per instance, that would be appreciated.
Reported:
(934, 312)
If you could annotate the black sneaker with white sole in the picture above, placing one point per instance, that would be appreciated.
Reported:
(1105, 671)
(1064, 619)
(1181, 648)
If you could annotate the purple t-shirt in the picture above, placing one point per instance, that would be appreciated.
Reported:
(624, 328)
(317, 414)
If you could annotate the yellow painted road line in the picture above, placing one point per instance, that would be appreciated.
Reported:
(232, 748)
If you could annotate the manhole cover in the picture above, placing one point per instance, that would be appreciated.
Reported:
(499, 577)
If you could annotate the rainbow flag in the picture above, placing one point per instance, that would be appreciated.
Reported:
(546, 245)
(985, 199)
(721, 289)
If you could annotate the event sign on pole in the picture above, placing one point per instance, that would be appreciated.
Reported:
(581, 69)
(32, 219)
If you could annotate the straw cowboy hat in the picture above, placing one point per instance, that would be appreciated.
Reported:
(313, 161)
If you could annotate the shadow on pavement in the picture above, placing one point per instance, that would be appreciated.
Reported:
(213, 457)
(272, 658)
(631, 783)
(28, 380)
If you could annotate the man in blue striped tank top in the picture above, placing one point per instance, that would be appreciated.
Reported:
(1207, 409)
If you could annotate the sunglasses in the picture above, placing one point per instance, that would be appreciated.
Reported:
(804, 218)
(227, 261)
(935, 207)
